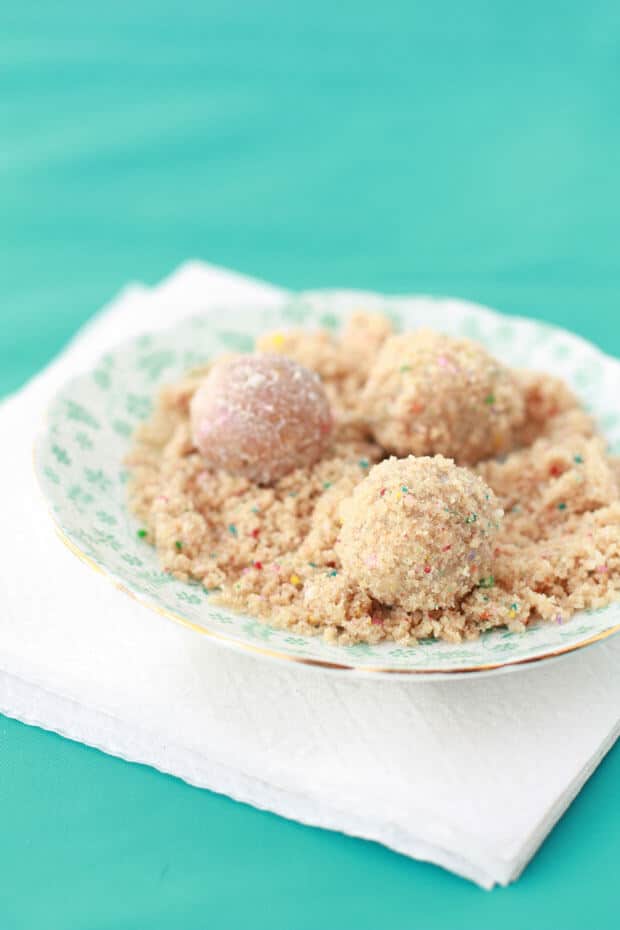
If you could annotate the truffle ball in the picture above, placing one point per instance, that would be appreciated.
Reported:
(260, 416)
(417, 533)
(428, 393)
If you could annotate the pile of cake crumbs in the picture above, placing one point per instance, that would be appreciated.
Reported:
(272, 551)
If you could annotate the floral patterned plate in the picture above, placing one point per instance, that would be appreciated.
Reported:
(89, 424)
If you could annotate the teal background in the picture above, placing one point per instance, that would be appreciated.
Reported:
(463, 148)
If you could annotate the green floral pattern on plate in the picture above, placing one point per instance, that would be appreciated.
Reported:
(79, 464)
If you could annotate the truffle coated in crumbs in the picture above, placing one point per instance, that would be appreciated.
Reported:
(260, 416)
(430, 394)
(418, 533)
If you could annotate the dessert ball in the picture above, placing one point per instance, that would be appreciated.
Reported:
(418, 533)
(428, 393)
(260, 416)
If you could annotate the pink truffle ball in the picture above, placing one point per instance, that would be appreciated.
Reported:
(260, 416)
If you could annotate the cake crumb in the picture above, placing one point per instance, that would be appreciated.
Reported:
(273, 551)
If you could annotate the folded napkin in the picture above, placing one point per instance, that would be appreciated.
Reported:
(470, 774)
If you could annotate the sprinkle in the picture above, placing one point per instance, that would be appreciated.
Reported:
(364, 463)
(377, 620)
(555, 471)
(472, 554)
(327, 484)
(333, 573)
(602, 568)
(417, 407)
(312, 564)
(142, 533)
(382, 492)
(562, 506)
(489, 399)
(404, 368)
(559, 618)
(179, 545)
(442, 361)
(578, 459)
(255, 533)
(427, 569)
(295, 579)
(292, 494)
(277, 340)
(255, 510)
(471, 518)
(446, 548)
(487, 582)
(405, 489)
(258, 565)
(232, 529)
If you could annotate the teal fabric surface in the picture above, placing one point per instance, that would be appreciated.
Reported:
(462, 148)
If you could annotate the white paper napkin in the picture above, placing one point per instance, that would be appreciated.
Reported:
(469, 774)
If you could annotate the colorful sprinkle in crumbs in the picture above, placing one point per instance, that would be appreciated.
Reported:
(332, 573)
(562, 506)
(488, 582)
(404, 368)
(471, 518)
(578, 459)
(489, 399)
(141, 534)
(255, 533)
(178, 545)
(327, 484)
(364, 463)
(258, 565)
(295, 579)
(232, 529)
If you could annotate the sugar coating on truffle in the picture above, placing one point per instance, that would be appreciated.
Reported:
(260, 416)
(429, 393)
(418, 533)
